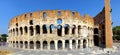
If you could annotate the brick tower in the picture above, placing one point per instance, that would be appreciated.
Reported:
(108, 25)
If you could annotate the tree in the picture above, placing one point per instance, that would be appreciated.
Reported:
(3, 37)
(116, 33)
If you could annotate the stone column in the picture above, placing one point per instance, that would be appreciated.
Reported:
(70, 31)
(76, 44)
(23, 45)
(63, 44)
(76, 31)
(63, 31)
(34, 45)
(48, 46)
(87, 43)
(70, 44)
(81, 43)
(41, 45)
(34, 29)
(28, 45)
(28, 31)
(56, 45)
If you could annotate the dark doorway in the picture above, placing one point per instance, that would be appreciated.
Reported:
(96, 40)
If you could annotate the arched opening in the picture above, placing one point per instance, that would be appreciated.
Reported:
(44, 28)
(37, 44)
(59, 30)
(67, 44)
(21, 44)
(66, 29)
(25, 29)
(73, 29)
(78, 43)
(37, 29)
(73, 44)
(44, 15)
(17, 31)
(52, 45)
(59, 21)
(13, 43)
(45, 45)
(21, 30)
(59, 13)
(31, 22)
(17, 44)
(96, 31)
(96, 40)
(59, 44)
(31, 45)
(79, 29)
(84, 43)
(13, 32)
(31, 31)
(51, 28)
(26, 44)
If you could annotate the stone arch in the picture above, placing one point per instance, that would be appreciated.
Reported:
(73, 29)
(17, 44)
(59, 44)
(31, 45)
(73, 44)
(59, 21)
(26, 44)
(45, 45)
(13, 32)
(52, 45)
(44, 28)
(66, 27)
(96, 31)
(79, 29)
(84, 43)
(13, 43)
(17, 31)
(78, 43)
(37, 29)
(37, 44)
(25, 29)
(67, 44)
(59, 30)
(31, 31)
(21, 31)
(51, 28)
(21, 44)
(96, 40)
(31, 22)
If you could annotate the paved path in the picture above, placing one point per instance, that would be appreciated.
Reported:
(86, 51)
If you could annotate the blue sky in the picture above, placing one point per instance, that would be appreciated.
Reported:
(12, 8)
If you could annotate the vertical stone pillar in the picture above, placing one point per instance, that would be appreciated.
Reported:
(28, 31)
(63, 44)
(48, 46)
(76, 31)
(56, 45)
(34, 29)
(48, 29)
(35, 46)
(28, 45)
(41, 45)
(41, 31)
(63, 31)
(70, 44)
(81, 43)
(23, 45)
(76, 44)
(70, 31)
(87, 43)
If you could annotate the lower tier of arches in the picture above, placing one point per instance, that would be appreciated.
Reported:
(53, 44)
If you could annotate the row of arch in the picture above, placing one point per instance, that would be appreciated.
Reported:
(48, 45)
(52, 28)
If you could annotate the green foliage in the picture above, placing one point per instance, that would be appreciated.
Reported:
(116, 33)
(3, 37)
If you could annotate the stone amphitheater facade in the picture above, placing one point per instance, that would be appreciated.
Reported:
(61, 30)
(51, 29)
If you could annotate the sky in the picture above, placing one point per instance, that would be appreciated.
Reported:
(12, 8)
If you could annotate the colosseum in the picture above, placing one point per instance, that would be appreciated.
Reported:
(61, 30)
